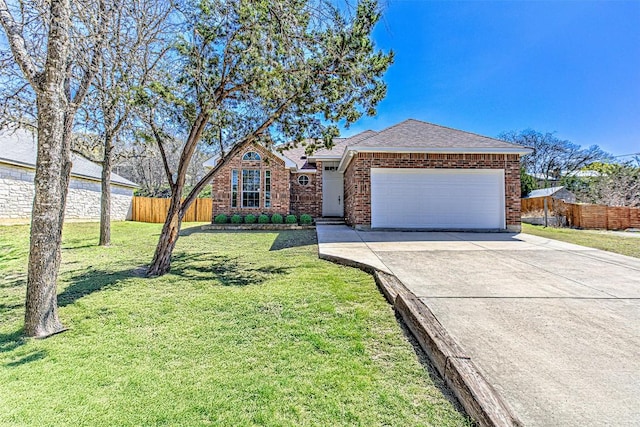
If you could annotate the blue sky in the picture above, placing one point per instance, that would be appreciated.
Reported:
(570, 67)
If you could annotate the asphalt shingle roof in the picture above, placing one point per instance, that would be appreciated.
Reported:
(20, 148)
(299, 156)
(418, 134)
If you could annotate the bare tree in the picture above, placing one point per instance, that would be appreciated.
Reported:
(612, 184)
(553, 158)
(56, 49)
(141, 161)
(260, 72)
(135, 45)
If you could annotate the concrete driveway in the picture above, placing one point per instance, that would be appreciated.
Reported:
(554, 327)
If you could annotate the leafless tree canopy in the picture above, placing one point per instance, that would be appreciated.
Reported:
(552, 157)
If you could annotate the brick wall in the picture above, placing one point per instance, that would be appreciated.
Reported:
(357, 191)
(83, 199)
(280, 184)
(305, 199)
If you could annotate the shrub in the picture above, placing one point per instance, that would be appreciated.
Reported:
(220, 219)
(276, 219)
(236, 219)
(305, 219)
(263, 219)
(249, 219)
(291, 219)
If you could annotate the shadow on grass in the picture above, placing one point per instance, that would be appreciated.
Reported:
(31, 357)
(93, 281)
(13, 281)
(294, 239)
(10, 253)
(9, 342)
(69, 247)
(6, 308)
(229, 271)
(191, 230)
(285, 239)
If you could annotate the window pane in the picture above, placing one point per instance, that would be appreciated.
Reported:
(267, 189)
(250, 188)
(251, 155)
(234, 188)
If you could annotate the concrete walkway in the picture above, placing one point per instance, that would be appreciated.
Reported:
(554, 327)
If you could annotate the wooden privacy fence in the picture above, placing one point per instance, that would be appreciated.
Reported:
(150, 209)
(587, 216)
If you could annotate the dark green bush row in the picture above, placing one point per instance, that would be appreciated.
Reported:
(305, 219)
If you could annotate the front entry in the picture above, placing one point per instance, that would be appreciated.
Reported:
(332, 191)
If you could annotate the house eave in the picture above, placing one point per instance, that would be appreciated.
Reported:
(349, 152)
(333, 157)
(73, 174)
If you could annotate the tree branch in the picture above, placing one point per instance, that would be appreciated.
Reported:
(249, 138)
(163, 154)
(92, 70)
(18, 46)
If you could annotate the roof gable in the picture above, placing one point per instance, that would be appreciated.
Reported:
(288, 163)
(299, 155)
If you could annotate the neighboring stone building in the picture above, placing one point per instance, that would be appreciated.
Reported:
(413, 175)
(18, 152)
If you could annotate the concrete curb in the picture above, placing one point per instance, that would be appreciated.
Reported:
(477, 396)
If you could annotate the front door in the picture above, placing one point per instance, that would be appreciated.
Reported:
(332, 191)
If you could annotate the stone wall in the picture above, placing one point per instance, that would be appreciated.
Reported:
(83, 200)
(357, 178)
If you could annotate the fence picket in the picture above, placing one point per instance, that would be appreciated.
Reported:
(151, 209)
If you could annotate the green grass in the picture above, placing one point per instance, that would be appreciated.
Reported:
(592, 238)
(247, 329)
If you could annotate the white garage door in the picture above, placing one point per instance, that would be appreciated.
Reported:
(437, 198)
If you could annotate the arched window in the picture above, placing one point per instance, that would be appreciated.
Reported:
(251, 155)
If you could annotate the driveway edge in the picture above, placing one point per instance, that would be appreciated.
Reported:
(477, 396)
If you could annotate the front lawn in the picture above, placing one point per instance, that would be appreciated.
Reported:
(247, 329)
(592, 238)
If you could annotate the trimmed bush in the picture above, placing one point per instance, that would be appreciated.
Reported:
(249, 219)
(220, 219)
(236, 219)
(291, 219)
(306, 219)
(276, 219)
(263, 219)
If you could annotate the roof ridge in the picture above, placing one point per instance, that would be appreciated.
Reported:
(458, 130)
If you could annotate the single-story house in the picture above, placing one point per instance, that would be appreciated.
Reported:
(18, 152)
(414, 175)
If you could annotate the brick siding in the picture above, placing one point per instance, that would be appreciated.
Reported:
(307, 199)
(357, 178)
(280, 192)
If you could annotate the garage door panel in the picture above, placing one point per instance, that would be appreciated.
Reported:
(437, 198)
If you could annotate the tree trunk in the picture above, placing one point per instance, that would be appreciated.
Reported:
(161, 263)
(105, 199)
(52, 174)
(53, 168)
